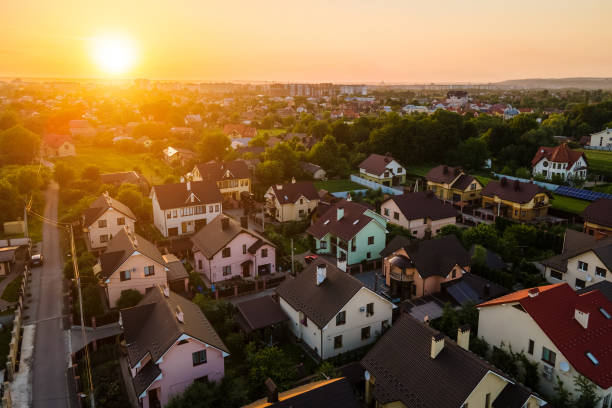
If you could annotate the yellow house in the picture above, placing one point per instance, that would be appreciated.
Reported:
(516, 200)
(232, 178)
(413, 365)
(598, 218)
(453, 184)
(293, 201)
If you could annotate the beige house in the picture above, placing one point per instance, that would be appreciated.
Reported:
(54, 145)
(232, 177)
(331, 311)
(293, 201)
(566, 333)
(583, 262)
(104, 218)
(598, 218)
(453, 184)
(132, 262)
(515, 200)
(413, 365)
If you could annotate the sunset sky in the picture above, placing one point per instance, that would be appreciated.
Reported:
(314, 40)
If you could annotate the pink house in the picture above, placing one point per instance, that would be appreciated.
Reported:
(170, 344)
(225, 249)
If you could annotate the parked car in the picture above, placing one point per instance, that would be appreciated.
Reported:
(36, 260)
(310, 258)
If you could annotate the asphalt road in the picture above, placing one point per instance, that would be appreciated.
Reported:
(49, 383)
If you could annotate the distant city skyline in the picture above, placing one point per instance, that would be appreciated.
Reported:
(341, 41)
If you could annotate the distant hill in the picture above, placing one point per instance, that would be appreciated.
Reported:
(557, 83)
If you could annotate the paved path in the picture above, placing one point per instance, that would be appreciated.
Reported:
(50, 387)
(98, 333)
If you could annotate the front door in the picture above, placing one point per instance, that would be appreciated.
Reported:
(184, 227)
(264, 269)
(173, 232)
(246, 269)
(154, 398)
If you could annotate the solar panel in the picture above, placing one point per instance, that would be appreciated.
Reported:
(580, 194)
(462, 293)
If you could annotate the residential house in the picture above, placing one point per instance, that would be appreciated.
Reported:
(332, 312)
(383, 170)
(125, 177)
(225, 249)
(453, 184)
(351, 233)
(132, 262)
(414, 269)
(81, 127)
(7, 259)
(232, 177)
(567, 334)
(170, 344)
(583, 262)
(313, 170)
(413, 365)
(559, 162)
(292, 201)
(178, 155)
(420, 213)
(104, 218)
(602, 140)
(239, 131)
(54, 145)
(515, 200)
(183, 208)
(598, 218)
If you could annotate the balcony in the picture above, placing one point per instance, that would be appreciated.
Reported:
(401, 276)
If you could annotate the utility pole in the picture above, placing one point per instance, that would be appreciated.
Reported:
(292, 270)
(25, 220)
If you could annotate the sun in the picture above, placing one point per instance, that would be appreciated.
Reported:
(114, 54)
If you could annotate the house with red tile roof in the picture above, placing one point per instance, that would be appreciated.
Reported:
(54, 145)
(568, 334)
(239, 131)
(559, 161)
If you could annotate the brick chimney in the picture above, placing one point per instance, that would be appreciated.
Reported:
(463, 336)
(244, 222)
(321, 273)
(437, 344)
(224, 223)
(188, 185)
(271, 391)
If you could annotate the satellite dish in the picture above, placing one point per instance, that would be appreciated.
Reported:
(564, 366)
(366, 375)
(589, 278)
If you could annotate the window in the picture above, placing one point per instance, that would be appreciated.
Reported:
(548, 356)
(149, 270)
(556, 274)
(200, 264)
(370, 240)
(531, 346)
(199, 357)
(601, 272)
(473, 186)
(583, 266)
(453, 274)
(244, 249)
(125, 275)
(341, 318)
(174, 213)
(488, 400)
(580, 284)
(216, 207)
(323, 244)
(104, 238)
(168, 215)
(226, 252)
(180, 343)
(368, 255)
(606, 401)
(121, 221)
(211, 208)
(301, 201)
(396, 215)
(369, 309)
(338, 342)
(365, 333)
(386, 212)
(264, 253)
(101, 223)
(227, 270)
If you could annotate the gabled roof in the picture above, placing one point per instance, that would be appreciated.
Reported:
(512, 190)
(599, 212)
(310, 168)
(320, 303)
(121, 247)
(121, 177)
(354, 220)
(443, 174)
(260, 312)
(243, 130)
(376, 163)
(333, 393)
(176, 269)
(54, 140)
(423, 204)
(577, 243)
(558, 154)
(212, 238)
(177, 195)
(217, 171)
(101, 205)
(553, 308)
(152, 327)
(289, 193)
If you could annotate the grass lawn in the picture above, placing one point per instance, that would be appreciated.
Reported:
(419, 170)
(109, 160)
(569, 204)
(603, 188)
(271, 132)
(599, 161)
(11, 292)
(5, 340)
(484, 180)
(334, 186)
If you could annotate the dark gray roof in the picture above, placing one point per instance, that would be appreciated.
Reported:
(473, 288)
(320, 303)
(353, 221)
(605, 287)
(599, 212)
(289, 193)
(261, 312)
(7, 254)
(177, 195)
(398, 241)
(101, 205)
(423, 204)
(576, 245)
(176, 271)
(334, 394)
(145, 377)
(512, 396)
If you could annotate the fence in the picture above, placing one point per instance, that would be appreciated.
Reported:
(376, 186)
(344, 194)
(601, 148)
(548, 186)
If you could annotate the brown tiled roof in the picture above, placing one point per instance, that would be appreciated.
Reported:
(261, 312)
(121, 247)
(243, 130)
(463, 182)
(423, 204)
(212, 238)
(599, 212)
(558, 154)
(101, 205)
(145, 377)
(376, 163)
(177, 196)
(353, 221)
(289, 193)
(320, 303)
(443, 174)
(436, 257)
(217, 171)
(176, 269)
(152, 326)
(512, 190)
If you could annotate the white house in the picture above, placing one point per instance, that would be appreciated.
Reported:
(331, 311)
(104, 218)
(382, 169)
(602, 139)
(182, 208)
(559, 161)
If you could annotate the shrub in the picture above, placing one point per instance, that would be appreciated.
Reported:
(129, 298)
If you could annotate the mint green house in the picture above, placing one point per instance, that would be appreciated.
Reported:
(350, 232)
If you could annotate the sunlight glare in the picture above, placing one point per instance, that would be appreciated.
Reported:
(114, 54)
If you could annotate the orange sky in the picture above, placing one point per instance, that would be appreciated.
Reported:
(314, 40)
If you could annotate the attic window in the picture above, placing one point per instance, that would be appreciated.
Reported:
(326, 222)
(604, 312)
(286, 198)
(355, 222)
(592, 358)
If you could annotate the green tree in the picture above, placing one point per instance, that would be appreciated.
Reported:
(473, 153)
(213, 146)
(588, 397)
(27, 180)
(269, 172)
(562, 397)
(128, 298)
(268, 362)
(91, 173)
(522, 172)
(230, 392)
(92, 304)
(63, 174)
(130, 195)
(18, 145)
(8, 119)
